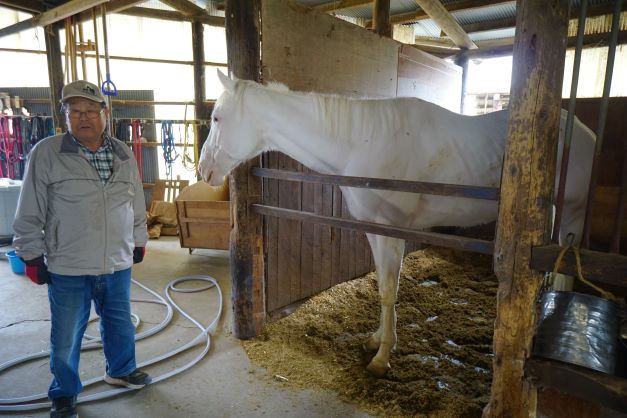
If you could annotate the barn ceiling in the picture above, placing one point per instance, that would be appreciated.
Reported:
(457, 24)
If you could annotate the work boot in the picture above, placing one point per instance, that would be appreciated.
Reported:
(136, 380)
(64, 407)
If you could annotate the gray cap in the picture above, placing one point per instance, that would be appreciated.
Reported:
(82, 88)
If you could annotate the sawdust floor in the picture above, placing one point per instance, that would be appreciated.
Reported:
(442, 363)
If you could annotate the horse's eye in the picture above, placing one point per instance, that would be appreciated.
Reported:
(215, 119)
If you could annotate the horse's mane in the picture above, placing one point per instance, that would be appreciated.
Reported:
(336, 114)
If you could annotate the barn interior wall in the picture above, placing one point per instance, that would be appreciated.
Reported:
(312, 51)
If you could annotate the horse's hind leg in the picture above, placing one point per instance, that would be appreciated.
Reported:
(388, 257)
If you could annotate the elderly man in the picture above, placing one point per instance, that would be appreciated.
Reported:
(80, 226)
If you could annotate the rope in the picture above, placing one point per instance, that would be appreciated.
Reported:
(167, 144)
(137, 146)
(575, 249)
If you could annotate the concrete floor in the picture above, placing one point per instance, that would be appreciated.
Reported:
(223, 384)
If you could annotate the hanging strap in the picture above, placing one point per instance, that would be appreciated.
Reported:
(604, 293)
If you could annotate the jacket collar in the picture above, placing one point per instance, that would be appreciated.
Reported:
(69, 146)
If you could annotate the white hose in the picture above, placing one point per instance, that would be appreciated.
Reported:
(26, 403)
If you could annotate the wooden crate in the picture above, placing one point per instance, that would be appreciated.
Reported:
(204, 223)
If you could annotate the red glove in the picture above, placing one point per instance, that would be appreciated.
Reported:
(138, 254)
(36, 270)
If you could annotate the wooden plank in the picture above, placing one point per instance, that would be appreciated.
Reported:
(186, 7)
(432, 238)
(341, 5)
(474, 192)
(345, 247)
(415, 16)
(317, 241)
(217, 21)
(381, 18)
(28, 6)
(344, 59)
(48, 17)
(272, 237)
(567, 406)
(604, 389)
(336, 237)
(526, 191)
(307, 241)
(242, 36)
(430, 78)
(447, 23)
(597, 266)
(328, 237)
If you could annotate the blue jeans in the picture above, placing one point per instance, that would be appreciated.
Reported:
(70, 303)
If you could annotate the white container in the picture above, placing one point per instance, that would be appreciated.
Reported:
(9, 193)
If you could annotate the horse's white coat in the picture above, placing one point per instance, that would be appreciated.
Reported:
(402, 138)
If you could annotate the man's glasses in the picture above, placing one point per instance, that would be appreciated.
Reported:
(89, 114)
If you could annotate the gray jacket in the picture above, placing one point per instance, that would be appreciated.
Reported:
(65, 212)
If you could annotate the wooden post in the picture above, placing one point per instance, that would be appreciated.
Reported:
(247, 269)
(381, 18)
(55, 75)
(462, 61)
(526, 192)
(200, 109)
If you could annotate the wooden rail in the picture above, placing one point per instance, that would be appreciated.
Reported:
(432, 238)
(454, 190)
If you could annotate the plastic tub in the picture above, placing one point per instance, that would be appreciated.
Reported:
(17, 265)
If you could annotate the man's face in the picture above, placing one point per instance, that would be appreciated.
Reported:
(85, 119)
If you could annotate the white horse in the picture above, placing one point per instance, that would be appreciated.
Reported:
(401, 138)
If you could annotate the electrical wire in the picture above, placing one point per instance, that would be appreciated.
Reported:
(26, 403)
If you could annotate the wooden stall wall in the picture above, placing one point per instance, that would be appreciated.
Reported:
(430, 78)
(613, 162)
(312, 51)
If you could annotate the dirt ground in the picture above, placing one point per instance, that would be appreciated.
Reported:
(443, 359)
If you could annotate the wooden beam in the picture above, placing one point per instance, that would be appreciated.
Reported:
(55, 74)
(381, 18)
(341, 4)
(172, 15)
(447, 23)
(526, 191)
(28, 6)
(200, 109)
(503, 47)
(53, 15)
(599, 267)
(186, 7)
(246, 246)
(415, 16)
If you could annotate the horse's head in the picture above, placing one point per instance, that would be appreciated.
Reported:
(233, 138)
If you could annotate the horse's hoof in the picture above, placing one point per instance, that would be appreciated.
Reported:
(377, 369)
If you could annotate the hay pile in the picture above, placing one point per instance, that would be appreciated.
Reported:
(442, 364)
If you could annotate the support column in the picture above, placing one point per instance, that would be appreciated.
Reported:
(462, 61)
(526, 196)
(201, 110)
(247, 269)
(381, 18)
(55, 75)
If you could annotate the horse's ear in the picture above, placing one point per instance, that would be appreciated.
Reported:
(227, 83)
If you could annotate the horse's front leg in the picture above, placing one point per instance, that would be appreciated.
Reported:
(388, 257)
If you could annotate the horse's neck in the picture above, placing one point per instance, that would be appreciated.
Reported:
(290, 124)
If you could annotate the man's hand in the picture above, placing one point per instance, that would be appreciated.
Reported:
(36, 270)
(138, 254)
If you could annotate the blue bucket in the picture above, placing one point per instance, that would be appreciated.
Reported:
(17, 265)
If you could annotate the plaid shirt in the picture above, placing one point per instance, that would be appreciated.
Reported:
(101, 160)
